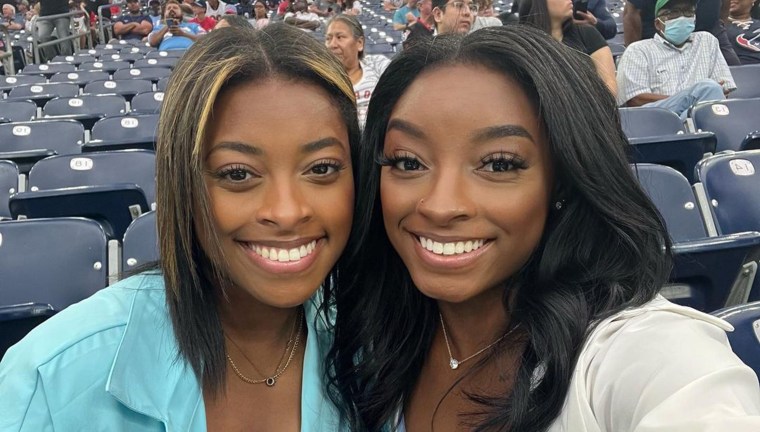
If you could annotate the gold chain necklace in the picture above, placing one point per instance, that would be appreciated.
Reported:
(272, 380)
(454, 363)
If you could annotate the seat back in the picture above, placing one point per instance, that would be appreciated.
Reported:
(16, 321)
(152, 73)
(745, 339)
(731, 183)
(162, 84)
(140, 244)
(96, 105)
(107, 66)
(161, 54)
(148, 102)
(47, 69)
(9, 82)
(62, 136)
(53, 89)
(79, 78)
(96, 169)
(17, 111)
(745, 77)
(51, 261)
(123, 128)
(8, 185)
(644, 122)
(730, 120)
(671, 193)
(167, 62)
(120, 87)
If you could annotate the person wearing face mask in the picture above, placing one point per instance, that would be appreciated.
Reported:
(677, 67)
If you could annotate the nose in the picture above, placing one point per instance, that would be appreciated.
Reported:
(284, 206)
(447, 200)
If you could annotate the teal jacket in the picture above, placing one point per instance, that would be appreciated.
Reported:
(111, 363)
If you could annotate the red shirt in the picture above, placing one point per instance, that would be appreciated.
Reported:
(207, 24)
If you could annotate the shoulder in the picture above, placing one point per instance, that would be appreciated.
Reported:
(375, 63)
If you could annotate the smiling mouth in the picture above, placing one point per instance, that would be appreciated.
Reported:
(283, 255)
(451, 248)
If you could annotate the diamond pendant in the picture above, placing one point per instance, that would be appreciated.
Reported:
(270, 381)
(454, 363)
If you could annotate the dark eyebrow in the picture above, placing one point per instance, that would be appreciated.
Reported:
(406, 127)
(321, 144)
(238, 147)
(503, 131)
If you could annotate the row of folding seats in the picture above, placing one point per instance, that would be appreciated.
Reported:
(73, 259)
(714, 225)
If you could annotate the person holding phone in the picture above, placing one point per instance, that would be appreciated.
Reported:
(596, 14)
(172, 32)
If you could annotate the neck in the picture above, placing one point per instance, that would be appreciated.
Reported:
(249, 322)
(742, 16)
(355, 72)
(557, 30)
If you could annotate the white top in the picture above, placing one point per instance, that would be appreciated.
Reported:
(481, 22)
(219, 11)
(657, 66)
(660, 368)
(372, 67)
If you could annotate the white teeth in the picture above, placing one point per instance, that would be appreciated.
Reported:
(285, 255)
(451, 248)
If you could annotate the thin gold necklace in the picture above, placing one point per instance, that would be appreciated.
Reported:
(454, 363)
(271, 380)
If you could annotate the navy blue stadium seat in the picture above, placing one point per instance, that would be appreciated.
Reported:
(160, 54)
(745, 339)
(131, 49)
(140, 245)
(8, 185)
(79, 78)
(105, 66)
(41, 93)
(126, 88)
(708, 272)
(642, 122)
(7, 83)
(72, 59)
(147, 103)
(51, 261)
(124, 132)
(15, 111)
(125, 56)
(86, 109)
(162, 84)
(48, 69)
(731, 120)
(745, 77)
(167, 62)
(152, 73)
(102, 52)
(26, 143)
(18, 320)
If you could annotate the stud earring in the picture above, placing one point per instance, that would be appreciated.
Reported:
(559, 204)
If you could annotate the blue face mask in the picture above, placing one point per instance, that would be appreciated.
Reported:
(678, 30)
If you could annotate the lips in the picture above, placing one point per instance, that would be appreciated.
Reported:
(451, 248)
(283, 254)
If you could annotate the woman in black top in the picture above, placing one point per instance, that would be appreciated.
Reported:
(556, 18)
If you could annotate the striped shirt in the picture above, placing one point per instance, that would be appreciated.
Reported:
(657, 66)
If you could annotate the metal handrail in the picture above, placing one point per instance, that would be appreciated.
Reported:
(102, 27)
(9, 66)
(36, 44)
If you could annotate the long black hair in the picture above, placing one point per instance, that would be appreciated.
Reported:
(536, 13)
(605, 251)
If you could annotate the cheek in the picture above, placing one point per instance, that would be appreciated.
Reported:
(396, 201)
(335, 206)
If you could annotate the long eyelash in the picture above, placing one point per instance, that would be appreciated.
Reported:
(229, 170)
(512, 158)
(392, 160)
(338, 166)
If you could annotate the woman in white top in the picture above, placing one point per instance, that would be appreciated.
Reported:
(345, 38)
(507, 263)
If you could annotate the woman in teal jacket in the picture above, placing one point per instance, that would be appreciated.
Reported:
(253, 210)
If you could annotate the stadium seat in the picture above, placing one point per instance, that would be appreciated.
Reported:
(147, 103)
(16, 111)
(42, 93)
(745, 339)
(152, 73)
(18, 320)
(731, 120)
(124, 132)
(102, 52)
(140, 245)
(76, 60)
(7, 83)
(48, 69)
(51, 261)
(162, 84)
(160, 54)
(681, 152)
(126, 88)
(168, 62)
(105, 66)
(745, 77)
(86, 109)
(136, 49)
(642, 122)
(8, 185)
(127, 57)
(79, 78)
(26, 143)
(708, 272)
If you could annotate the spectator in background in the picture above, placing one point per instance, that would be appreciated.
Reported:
(132, 25)
(283, 7)
(423, 27)
(79, 23)
(349, 7)
(392, 5)
(11, 20)
(61, 26)
(345, 38)
(324, 8)
(245, 8)
(260, 15)
(556, 18)
(485, 16)
(599, 16)
(155, 11)
(301, 18)
(744, 31)
(215, 8)
(675, 69)
(406, 15)
(173, 32)
(453, 16)
(200, 18)
(233, 21)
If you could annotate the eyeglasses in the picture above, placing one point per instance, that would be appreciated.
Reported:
(676, 13)
(460, 6)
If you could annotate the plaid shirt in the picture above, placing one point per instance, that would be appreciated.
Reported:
(657, 66)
